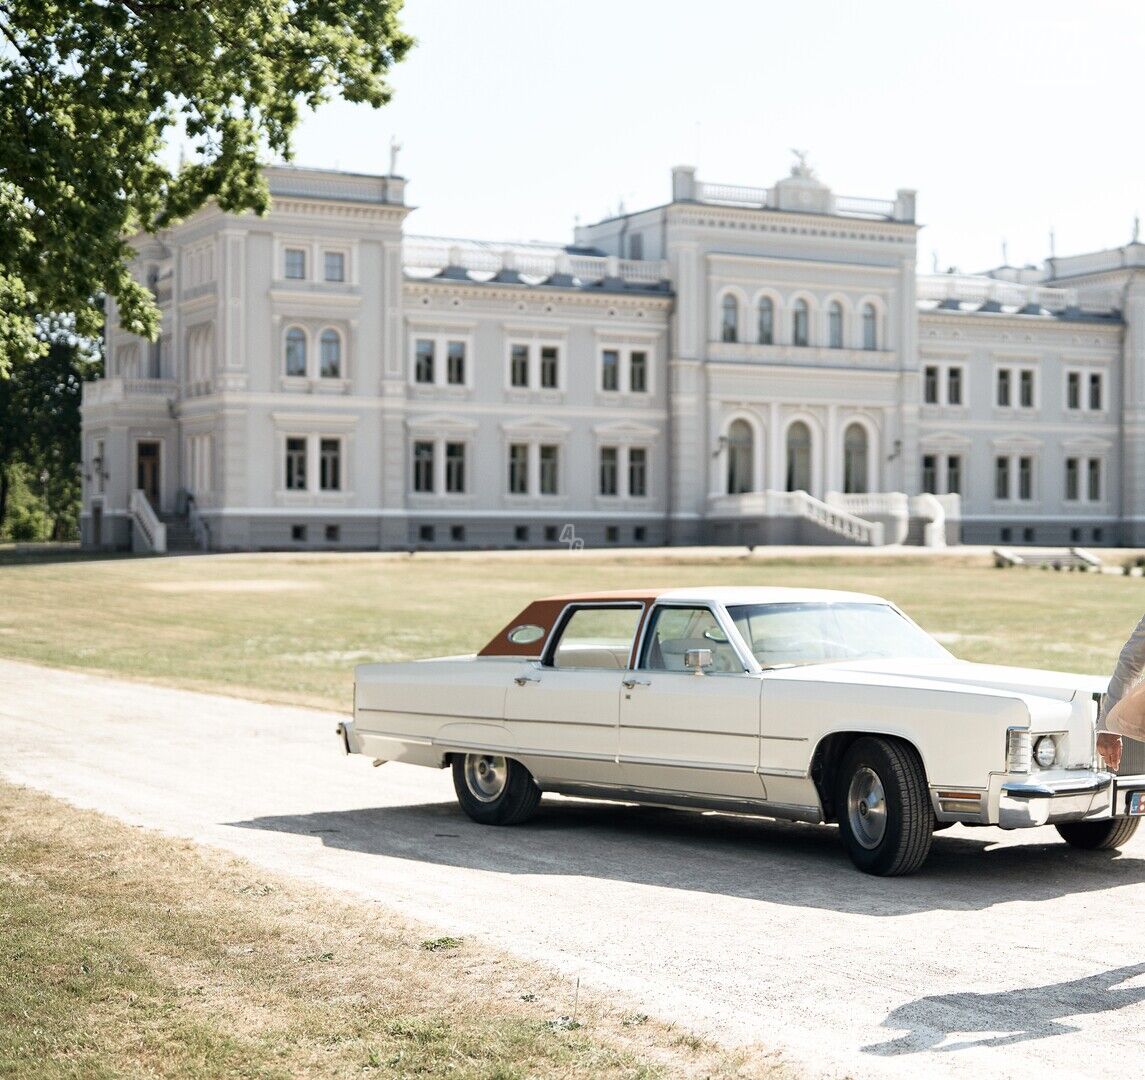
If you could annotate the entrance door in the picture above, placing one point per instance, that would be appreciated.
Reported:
(147, 471)
(97, 526)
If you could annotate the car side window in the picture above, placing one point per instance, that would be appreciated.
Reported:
(672, 631)
(597, 637)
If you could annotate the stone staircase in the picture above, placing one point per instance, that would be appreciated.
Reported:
(180, 536)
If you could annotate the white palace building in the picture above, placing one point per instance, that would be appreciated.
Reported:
(739, 365)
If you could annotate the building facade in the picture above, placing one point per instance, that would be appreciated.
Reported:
(738, 365)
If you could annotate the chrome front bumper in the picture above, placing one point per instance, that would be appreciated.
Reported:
(1092, 796)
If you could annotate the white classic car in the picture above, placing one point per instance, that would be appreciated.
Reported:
(804, 704)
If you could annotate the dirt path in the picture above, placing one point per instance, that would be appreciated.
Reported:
(1008, 956)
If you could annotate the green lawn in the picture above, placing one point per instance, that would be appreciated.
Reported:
(290, 627)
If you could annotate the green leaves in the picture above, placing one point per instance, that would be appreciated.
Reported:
(90, 89)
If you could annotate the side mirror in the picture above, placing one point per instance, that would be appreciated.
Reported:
(697, 660)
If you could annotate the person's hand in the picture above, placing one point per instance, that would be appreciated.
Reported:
(1109, 747)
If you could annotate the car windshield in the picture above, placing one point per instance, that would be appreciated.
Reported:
(785, 635)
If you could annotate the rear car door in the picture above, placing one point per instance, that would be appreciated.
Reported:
(564, 710)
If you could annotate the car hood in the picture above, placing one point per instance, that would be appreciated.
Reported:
(1052, 684)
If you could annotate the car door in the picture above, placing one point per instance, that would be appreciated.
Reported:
(682, 732)
(564, 710)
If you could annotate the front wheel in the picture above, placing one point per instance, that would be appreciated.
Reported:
(494, 790)
(1098, 835)
(884, 812)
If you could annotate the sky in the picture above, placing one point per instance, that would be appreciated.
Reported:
(1010, 118)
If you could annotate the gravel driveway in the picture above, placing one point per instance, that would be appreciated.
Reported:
(1008, 955)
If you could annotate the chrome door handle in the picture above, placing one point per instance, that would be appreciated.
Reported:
(628, 684)
(520, 680)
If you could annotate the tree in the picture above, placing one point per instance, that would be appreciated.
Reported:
(40, 433)
(90, 89)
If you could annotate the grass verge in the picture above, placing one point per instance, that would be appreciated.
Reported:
(290, 628)
(124, 953)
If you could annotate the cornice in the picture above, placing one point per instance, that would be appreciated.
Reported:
(827, 226)
(548, 294)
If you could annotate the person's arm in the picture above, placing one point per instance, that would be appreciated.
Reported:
(1127, 717)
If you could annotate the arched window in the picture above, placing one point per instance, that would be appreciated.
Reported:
(835, 325)
(766, 321)
(870, 327)
(855, 460)
(331, 354)
(800, 317)
(295, 351)
(799, 457)
(741, 450)
(729, 327)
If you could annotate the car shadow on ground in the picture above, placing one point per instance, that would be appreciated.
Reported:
(1007, 1017)
(757, 859)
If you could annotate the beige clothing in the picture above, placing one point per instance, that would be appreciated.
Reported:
(1130, 664)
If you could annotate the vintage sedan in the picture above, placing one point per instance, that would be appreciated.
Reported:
(803, 704)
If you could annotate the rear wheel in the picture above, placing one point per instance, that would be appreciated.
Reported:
(494, 790)
(1099, 835)
(885, 817)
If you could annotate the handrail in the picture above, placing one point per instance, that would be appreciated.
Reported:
(146, 524)
(199, 525)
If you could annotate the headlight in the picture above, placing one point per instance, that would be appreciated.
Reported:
(1046, 751)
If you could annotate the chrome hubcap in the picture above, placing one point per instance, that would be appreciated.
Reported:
(867, 807)
(485, 776)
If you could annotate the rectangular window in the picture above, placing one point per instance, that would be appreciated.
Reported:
(637, 472)
(334, 266)
(638, 372)
(640, 533)
(97, 466)
(519, 365)
(455, 467)
(609, 467)
(929, 473)
(552, 534)
(333, 534)
(954, 474)
(330, 465)
(296, 264)
(1001, 478)
(298, 533)
(1025, 478)
(295, 464)
(1072, 481)
(423, 364)
(550, 470)
(636, 246)
(1026, 388)
(455, 363)
(550, 367)
(1093, 480)
(954, 386)
(457, 534)
(1095, 391)
(1003, 391)
(930, 386)
(611, 534)
(518, 469)
(521, 534)
(423, 467)
(1073, 390)
(425, 533)
(610, 370)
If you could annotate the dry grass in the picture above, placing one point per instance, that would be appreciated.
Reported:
(290, 627)
(123, 953)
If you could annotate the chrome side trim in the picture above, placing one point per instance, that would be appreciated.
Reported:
(671, 763)
(1059, 789)
(684, 801)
